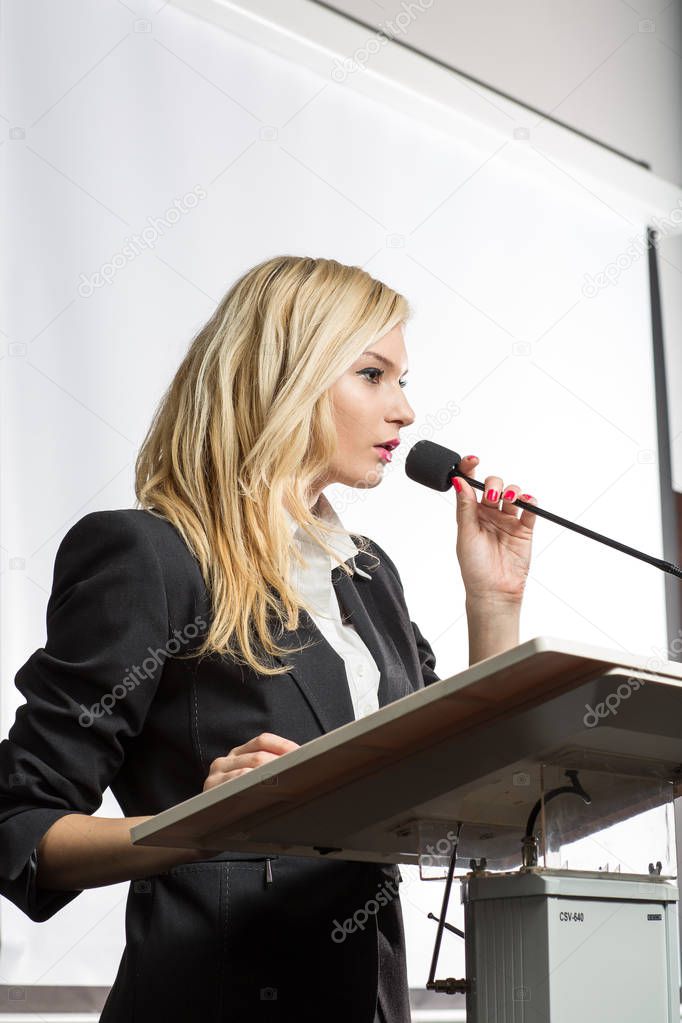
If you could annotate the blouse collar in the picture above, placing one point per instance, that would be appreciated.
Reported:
(342, 545)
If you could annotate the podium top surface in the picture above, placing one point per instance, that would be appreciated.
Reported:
(449, 753)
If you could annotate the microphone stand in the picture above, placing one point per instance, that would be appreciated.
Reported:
(667, 566)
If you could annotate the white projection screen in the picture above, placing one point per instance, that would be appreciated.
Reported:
(520, 349)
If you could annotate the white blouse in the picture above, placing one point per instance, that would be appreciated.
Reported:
(314, 583)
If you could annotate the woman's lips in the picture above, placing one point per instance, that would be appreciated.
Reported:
(384, 454)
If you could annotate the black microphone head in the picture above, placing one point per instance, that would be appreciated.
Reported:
(431, 464)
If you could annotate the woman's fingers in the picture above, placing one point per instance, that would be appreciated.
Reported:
(262, 749)
(496, 491)
(267, 741)
(527, 517)
(234, 765)
(509, 495)
(492, 491)
(468, 464)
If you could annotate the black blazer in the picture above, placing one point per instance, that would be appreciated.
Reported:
(109, 705)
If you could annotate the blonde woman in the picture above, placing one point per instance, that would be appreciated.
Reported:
(222, 623)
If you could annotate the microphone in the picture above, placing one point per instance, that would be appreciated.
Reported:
(435, 466)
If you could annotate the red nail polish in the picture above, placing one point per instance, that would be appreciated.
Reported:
(457, 484)
(493, 495)
(471, 456)
(525, 497)
(508, 495)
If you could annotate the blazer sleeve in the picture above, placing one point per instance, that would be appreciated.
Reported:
(87, 692)
(427, 657)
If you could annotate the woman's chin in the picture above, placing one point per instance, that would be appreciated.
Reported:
(372, 478)
(363, 480)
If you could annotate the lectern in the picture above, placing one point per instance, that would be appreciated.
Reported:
(546, 774)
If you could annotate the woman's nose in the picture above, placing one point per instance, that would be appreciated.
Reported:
(408, 415)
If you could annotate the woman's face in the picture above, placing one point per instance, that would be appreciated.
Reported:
(370, 408)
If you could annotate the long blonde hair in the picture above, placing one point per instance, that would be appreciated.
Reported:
(247, 425)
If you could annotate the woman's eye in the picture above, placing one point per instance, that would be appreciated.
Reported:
(379, 373)
(375, 379)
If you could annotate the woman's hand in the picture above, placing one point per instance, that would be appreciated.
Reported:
(493, 543)
(260, 750)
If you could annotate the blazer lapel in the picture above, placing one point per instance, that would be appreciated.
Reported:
(358, 604)
(320, 672)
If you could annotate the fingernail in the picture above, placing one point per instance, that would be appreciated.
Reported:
(525, 497)
(508, 495)
(458, 484)
(472, 456)
(493, 495)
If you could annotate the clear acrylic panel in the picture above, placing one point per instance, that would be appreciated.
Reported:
(608, 821)
(585, 813)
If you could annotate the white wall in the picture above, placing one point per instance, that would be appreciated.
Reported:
(610, 68)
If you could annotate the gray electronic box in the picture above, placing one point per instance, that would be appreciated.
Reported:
(539, 941)
(584, 929)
